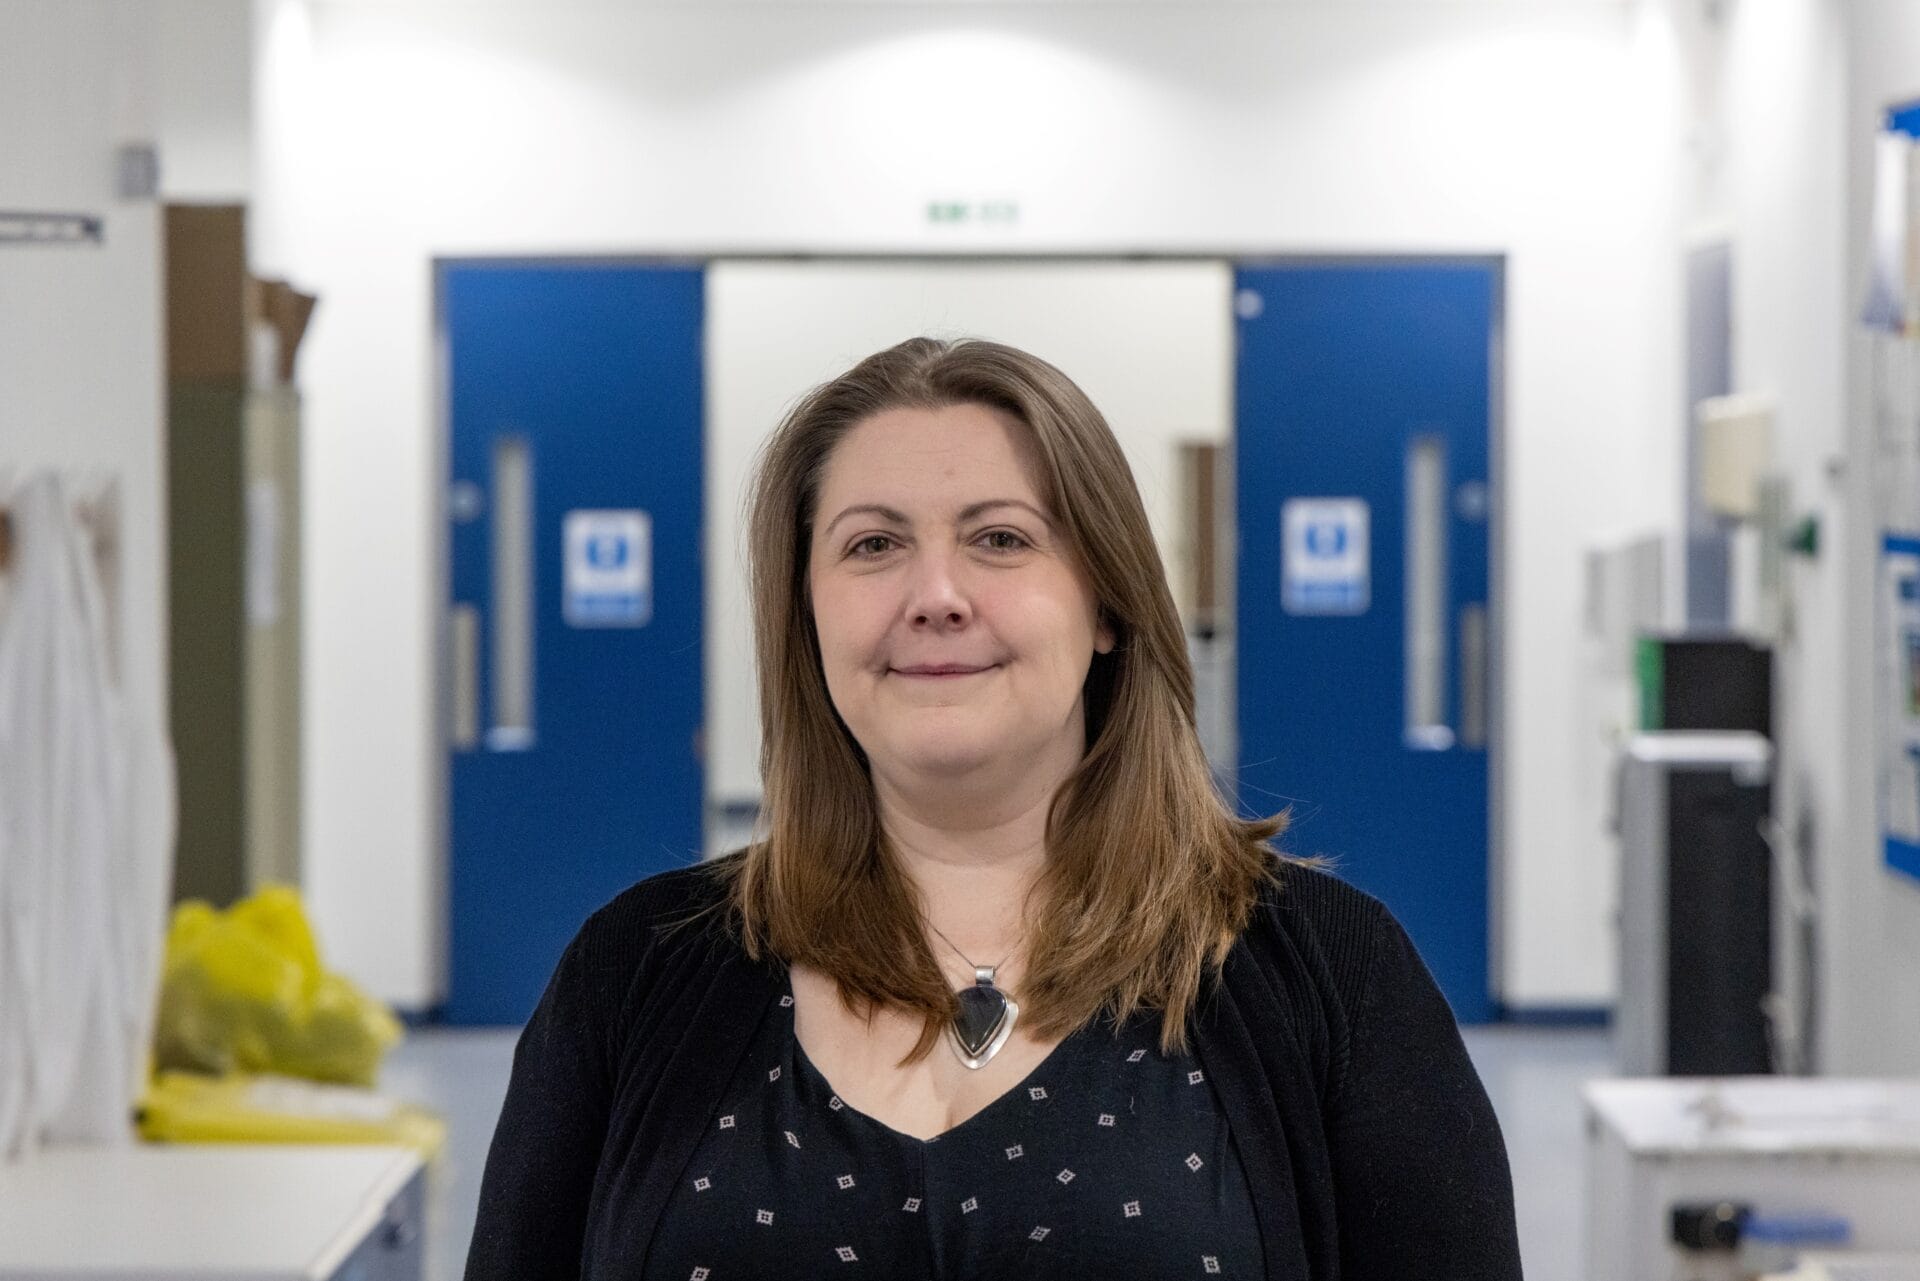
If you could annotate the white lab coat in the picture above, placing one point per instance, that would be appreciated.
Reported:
(86, 830)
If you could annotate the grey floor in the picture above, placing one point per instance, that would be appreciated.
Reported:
(1532, 1074)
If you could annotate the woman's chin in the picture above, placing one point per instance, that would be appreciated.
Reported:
(950, 756)
(951, 763)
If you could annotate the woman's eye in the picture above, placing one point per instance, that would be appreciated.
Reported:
(999, 540)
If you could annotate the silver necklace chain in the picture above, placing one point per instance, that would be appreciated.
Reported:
(991, 969)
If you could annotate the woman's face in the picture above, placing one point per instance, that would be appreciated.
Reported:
(956, 628)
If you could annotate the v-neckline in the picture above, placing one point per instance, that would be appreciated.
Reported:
(996, 1103)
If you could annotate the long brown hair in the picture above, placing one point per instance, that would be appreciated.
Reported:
(1149, 877)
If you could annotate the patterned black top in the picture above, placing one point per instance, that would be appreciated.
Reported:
(1109, 1159)
(1361, 1125)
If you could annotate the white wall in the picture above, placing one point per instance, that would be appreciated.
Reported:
(1785, 155)
(80, 328)
(1150, 343)
(387, 135)
(1781, 102)
(202, 55)
(1872, 958)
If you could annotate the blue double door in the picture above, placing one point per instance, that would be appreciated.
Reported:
(575, 612)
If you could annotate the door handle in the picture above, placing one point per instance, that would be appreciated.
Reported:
(511, 666)
(463, 635)
(1424, 592)
(1473, 675)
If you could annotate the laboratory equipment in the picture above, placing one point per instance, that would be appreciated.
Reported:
(1695, 905)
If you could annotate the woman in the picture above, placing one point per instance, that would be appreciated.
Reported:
(1005, 990)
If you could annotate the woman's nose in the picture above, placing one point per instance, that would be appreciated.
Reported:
(935, 595)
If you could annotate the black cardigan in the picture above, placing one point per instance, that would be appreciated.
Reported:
(1368, 1140)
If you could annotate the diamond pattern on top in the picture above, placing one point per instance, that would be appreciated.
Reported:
(868, 1166)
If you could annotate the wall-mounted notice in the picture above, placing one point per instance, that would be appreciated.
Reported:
(609, 569)
(1324, 567)
(1898, 699)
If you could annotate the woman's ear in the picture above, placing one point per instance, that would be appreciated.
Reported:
(1104, 636)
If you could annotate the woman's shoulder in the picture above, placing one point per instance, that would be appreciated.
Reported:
(681, 903)
(691, 887)
(1313, 893)
(1309, 914)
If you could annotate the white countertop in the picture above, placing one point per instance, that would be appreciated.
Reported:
(1854, 1267)
(245, 1212)
(1754, 1114)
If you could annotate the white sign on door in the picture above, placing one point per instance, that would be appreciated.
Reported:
(1323, 556)
(609, 568)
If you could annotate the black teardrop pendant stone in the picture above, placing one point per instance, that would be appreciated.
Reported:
(983, 1008)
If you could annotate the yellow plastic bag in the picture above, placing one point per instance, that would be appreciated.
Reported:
(243, 991)
(183, 1107)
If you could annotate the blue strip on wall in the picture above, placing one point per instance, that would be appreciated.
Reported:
(1557, 1015)
(1903, 856)
(1904, 119)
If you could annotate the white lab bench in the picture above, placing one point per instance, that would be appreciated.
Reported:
(1854, 1267)
(1784, 1145)
(213, 1212)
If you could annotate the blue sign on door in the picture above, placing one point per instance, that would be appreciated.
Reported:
(609, 569)
(1323, 556)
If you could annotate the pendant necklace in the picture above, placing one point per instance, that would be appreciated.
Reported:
(987, 1013)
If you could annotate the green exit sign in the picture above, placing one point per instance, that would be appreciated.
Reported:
(992, 213)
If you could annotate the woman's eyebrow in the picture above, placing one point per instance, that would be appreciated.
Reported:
(967, 513)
